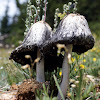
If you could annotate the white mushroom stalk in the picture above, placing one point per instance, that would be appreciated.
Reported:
(65, 70)
(40, 77)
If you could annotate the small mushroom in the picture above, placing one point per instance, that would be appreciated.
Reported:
(37, 35)
(74, 32)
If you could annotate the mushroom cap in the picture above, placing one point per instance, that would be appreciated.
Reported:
(37, 35)
(74, 29)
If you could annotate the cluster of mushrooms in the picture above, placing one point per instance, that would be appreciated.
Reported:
(72, 34)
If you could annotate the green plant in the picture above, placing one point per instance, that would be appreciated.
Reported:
(43, 94)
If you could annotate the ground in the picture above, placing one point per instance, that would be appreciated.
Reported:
(26, 91)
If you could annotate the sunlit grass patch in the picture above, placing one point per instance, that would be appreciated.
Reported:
(9, 73)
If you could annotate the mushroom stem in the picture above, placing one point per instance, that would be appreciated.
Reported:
(40, 69)
(65, 71)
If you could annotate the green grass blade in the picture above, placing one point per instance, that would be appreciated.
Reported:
(58, 87)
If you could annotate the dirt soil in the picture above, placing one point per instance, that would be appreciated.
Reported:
(28, 89)
(25, 91)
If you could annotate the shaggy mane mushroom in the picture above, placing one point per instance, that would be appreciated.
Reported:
(37, 35)
(73, 31)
